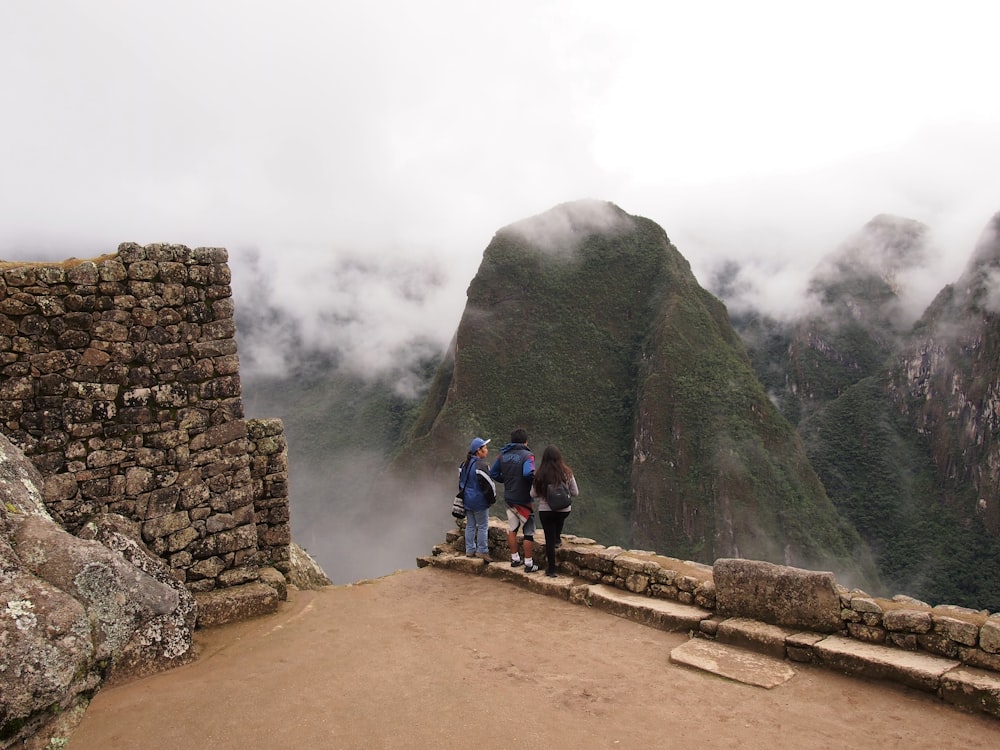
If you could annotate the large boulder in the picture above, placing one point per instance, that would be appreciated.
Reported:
(164, 640)
(304, 572)
(777, 594)
(74, 611)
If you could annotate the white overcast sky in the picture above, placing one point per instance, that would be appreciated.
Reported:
(408, 132)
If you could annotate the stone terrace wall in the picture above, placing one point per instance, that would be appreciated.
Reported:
(775, 594)
(119, 379)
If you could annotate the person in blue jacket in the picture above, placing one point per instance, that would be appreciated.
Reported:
(515, 468)
(478, 494)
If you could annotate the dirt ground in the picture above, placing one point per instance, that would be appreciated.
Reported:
(432, 658)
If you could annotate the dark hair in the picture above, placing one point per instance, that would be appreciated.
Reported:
(520, 435)
(551, 470)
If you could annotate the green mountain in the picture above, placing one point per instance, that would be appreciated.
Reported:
(585, 326)
(853, 323)
(900, 421)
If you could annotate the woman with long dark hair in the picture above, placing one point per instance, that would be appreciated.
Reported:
(551, 472)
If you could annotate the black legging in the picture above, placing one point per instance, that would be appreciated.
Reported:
(552, 525)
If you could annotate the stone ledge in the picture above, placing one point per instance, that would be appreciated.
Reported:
(754, 635)
(973, 689)
(560, 586)
(916, 670)
(219, 606)
(661, 614)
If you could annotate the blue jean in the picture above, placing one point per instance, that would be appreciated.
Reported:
(477, 526)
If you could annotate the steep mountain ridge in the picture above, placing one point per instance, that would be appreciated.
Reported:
(853, 322)
(948, 381)
(906, 445)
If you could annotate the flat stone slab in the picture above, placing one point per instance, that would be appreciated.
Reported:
(658, 613)
(538, 582)
(975, 689)
(756, 636)
(733, 663)
(918, 670)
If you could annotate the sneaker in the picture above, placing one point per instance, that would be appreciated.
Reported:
(531, 568)
(516, 563)
(485, 556)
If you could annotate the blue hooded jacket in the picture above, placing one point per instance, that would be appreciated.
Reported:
(478, 490)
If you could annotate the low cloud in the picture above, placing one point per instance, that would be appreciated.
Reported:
(560, 228)
(374, 314)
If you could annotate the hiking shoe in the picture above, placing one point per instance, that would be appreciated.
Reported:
(531, 568)
(551, 574)
(516, 563)
(470, 554)
(485, 556)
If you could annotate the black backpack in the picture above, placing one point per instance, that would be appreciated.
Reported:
(557, 496)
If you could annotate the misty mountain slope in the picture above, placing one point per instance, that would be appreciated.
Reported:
(911, 455)
(717, 471)
(343, 422)
(948, 381)
(341, 431)
(854, 323)
(879, 471)
(586, 326)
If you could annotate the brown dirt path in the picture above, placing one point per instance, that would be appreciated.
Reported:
(432, 658)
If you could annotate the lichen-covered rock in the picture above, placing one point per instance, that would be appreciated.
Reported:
(46, 650)
(305, 572)
(165, 641)
(119, 598)
(72, 609)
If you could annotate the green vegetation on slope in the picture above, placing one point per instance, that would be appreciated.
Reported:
(728, 473)
(884, 480)
(549, 342)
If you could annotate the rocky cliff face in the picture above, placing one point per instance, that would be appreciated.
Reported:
(947, 380)
(900, 420)
(585, 326)
(854, 322)
(75, 611)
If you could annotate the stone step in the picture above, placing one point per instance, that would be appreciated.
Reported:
(754, 635)
(662, 614)
(918, 670)
(221, 606)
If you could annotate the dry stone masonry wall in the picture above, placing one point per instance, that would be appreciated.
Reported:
(791, 599)
(119, 379)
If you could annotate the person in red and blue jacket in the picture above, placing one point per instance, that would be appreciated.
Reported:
(515, 468)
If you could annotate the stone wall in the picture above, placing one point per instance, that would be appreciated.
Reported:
(119, 379)
(779, 595)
